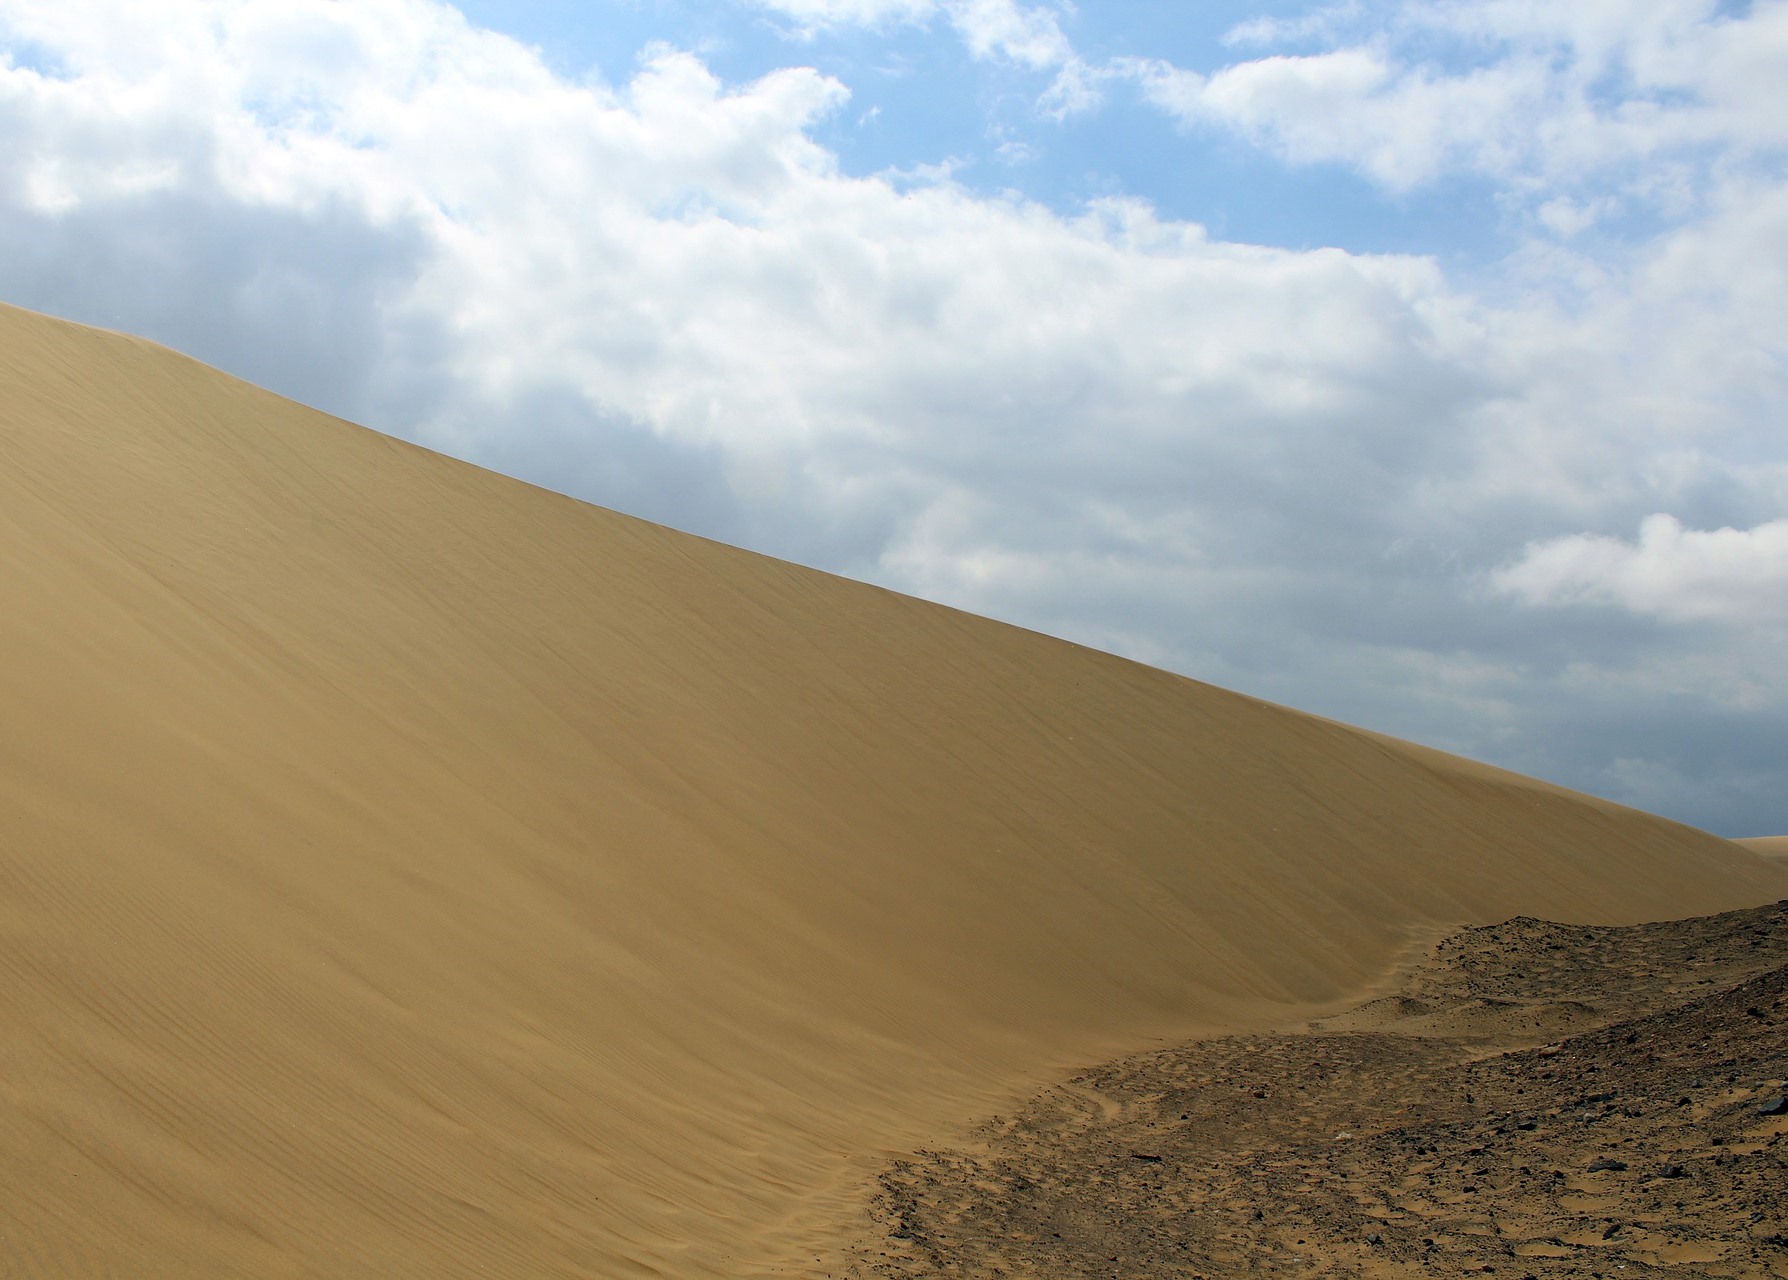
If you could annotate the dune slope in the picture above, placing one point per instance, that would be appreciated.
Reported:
(408, 872)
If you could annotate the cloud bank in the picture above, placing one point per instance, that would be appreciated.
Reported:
(1350, 482)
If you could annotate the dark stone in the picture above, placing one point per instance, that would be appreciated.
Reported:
(1672, 1171)
(1774, 1107)
(1607, 1164)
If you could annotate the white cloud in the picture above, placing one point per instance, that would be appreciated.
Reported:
(1726, 575)
(813, 16)
(1323, 23)
(681, 255)
(1565, 217)
(1360, 106)
(1642, 96)
(1026, 34)
(1029, 36)
(1541, 97)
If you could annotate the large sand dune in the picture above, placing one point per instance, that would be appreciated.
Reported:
(408, 872)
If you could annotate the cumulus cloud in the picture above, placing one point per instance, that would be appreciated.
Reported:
(1285, 470)
(1540, 98)
(1403, 126)
(682, 256)
(1731, 575)
(1644, 97)
(1028, 36)
(1031, 36)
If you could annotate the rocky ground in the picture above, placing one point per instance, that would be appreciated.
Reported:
(1535, 1100)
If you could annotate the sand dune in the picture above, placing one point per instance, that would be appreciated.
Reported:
(408, 872)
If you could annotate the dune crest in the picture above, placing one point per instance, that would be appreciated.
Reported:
(410, 872)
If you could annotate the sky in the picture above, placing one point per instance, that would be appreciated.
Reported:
(1416, 363)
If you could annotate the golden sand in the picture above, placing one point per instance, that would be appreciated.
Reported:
(408, 872)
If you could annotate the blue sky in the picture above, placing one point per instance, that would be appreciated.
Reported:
(1418, 363)
(919, 97)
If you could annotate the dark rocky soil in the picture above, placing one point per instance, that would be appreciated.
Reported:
(1535, 1100)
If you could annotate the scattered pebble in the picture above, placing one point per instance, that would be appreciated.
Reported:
(1431, 1175)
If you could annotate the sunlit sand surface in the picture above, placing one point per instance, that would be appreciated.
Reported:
(408, 872)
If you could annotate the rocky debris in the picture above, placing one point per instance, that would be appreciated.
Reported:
(1391, 1151)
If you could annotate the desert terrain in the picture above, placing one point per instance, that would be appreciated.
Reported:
(1532, 1099)
(407, 872)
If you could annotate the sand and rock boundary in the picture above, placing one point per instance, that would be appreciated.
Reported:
(1534, 1100)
